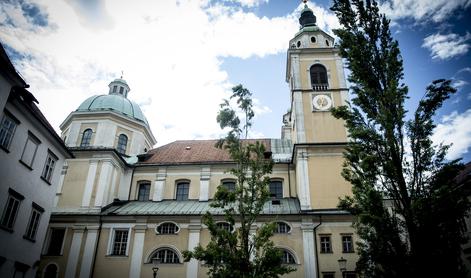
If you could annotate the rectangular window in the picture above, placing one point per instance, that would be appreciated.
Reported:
(326, 246)
(49, 167)
(29, 152)
(276, 189)
(182, 191)
(347, 244)
(56, 239)
(33, 224)
(144, 192)
(120, 242)
(7, 129)
(11, 209)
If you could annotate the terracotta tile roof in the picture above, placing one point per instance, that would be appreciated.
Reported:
(192, 152)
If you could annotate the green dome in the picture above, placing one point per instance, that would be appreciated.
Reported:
(114, 103)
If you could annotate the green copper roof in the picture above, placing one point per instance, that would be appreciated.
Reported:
(194, 207)
(114, 103)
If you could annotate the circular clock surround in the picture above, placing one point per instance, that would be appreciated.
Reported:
(322, 102)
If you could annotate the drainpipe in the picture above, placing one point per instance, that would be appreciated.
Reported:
(130, 185)
(96, 247)
(289, 180)
(315, 245)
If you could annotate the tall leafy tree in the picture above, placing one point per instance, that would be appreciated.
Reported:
(408, 207)
(247, 251)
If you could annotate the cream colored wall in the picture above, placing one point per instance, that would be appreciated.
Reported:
(120, 130)
(327, 59)
(193, 174)
(326, 182)
(328, 262)
(83, 127)
(74, 183)
(153, 241)
(111, 266)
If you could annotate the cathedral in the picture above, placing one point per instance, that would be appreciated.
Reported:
(122, 205)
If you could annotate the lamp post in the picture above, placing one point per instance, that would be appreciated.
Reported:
(155, 268)
(342, 266)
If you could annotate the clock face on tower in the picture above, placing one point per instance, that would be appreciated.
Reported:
(321, 102)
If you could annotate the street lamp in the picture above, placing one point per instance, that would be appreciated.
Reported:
(155, 268)
(342, 266)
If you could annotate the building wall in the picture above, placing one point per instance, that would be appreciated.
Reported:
(26, 181)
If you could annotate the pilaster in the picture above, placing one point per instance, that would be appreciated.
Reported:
(309, 251)
(194, 230)
(103, 183)
(137, 249)
(159, 184)
(74, 252)
(302, 178)
(87, 193)
(204, 183)
(89, 251)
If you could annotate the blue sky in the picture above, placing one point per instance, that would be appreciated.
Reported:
(182, 57)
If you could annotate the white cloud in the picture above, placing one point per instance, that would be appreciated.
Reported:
(423, 10)
(251, 3)
(447, 46)
(458, 83)
(454, 129)
(171, 53)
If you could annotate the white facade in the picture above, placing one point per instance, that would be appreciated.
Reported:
(24, 152)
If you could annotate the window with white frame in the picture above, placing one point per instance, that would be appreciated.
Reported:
(144, 191)
(347, 244)
(122, 144)
(120, 242)
(11, 209)
(30, 149)
(166, 256)
(287, 257)
(55, 242)
(183, 189)
(167, 228)
(326, 246)
(276, 189)
(86, 137)
(229, 185)
(51, 160)
(282, 228)
(7, 130)
(33, 223)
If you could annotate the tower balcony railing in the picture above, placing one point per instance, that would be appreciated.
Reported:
(320, 87)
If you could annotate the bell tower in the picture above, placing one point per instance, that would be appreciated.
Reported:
(316, 79)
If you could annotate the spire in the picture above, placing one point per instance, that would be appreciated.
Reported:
(307, 16)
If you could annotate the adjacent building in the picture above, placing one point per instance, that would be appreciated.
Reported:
(121, 203)
(31, 159)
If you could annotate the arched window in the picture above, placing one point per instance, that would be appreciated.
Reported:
(318, 77)
(183, 189)
(287, 257)
(229, 185)
(276, 189)
(86, 137)
(50, 271)
(167, 228)
(122, 143)
(165, 256)
(282, 228)
(144, 191)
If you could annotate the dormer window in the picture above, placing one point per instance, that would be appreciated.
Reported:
(319, 77)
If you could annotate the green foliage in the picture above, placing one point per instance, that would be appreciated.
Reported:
(241, 253)
(393, 159)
